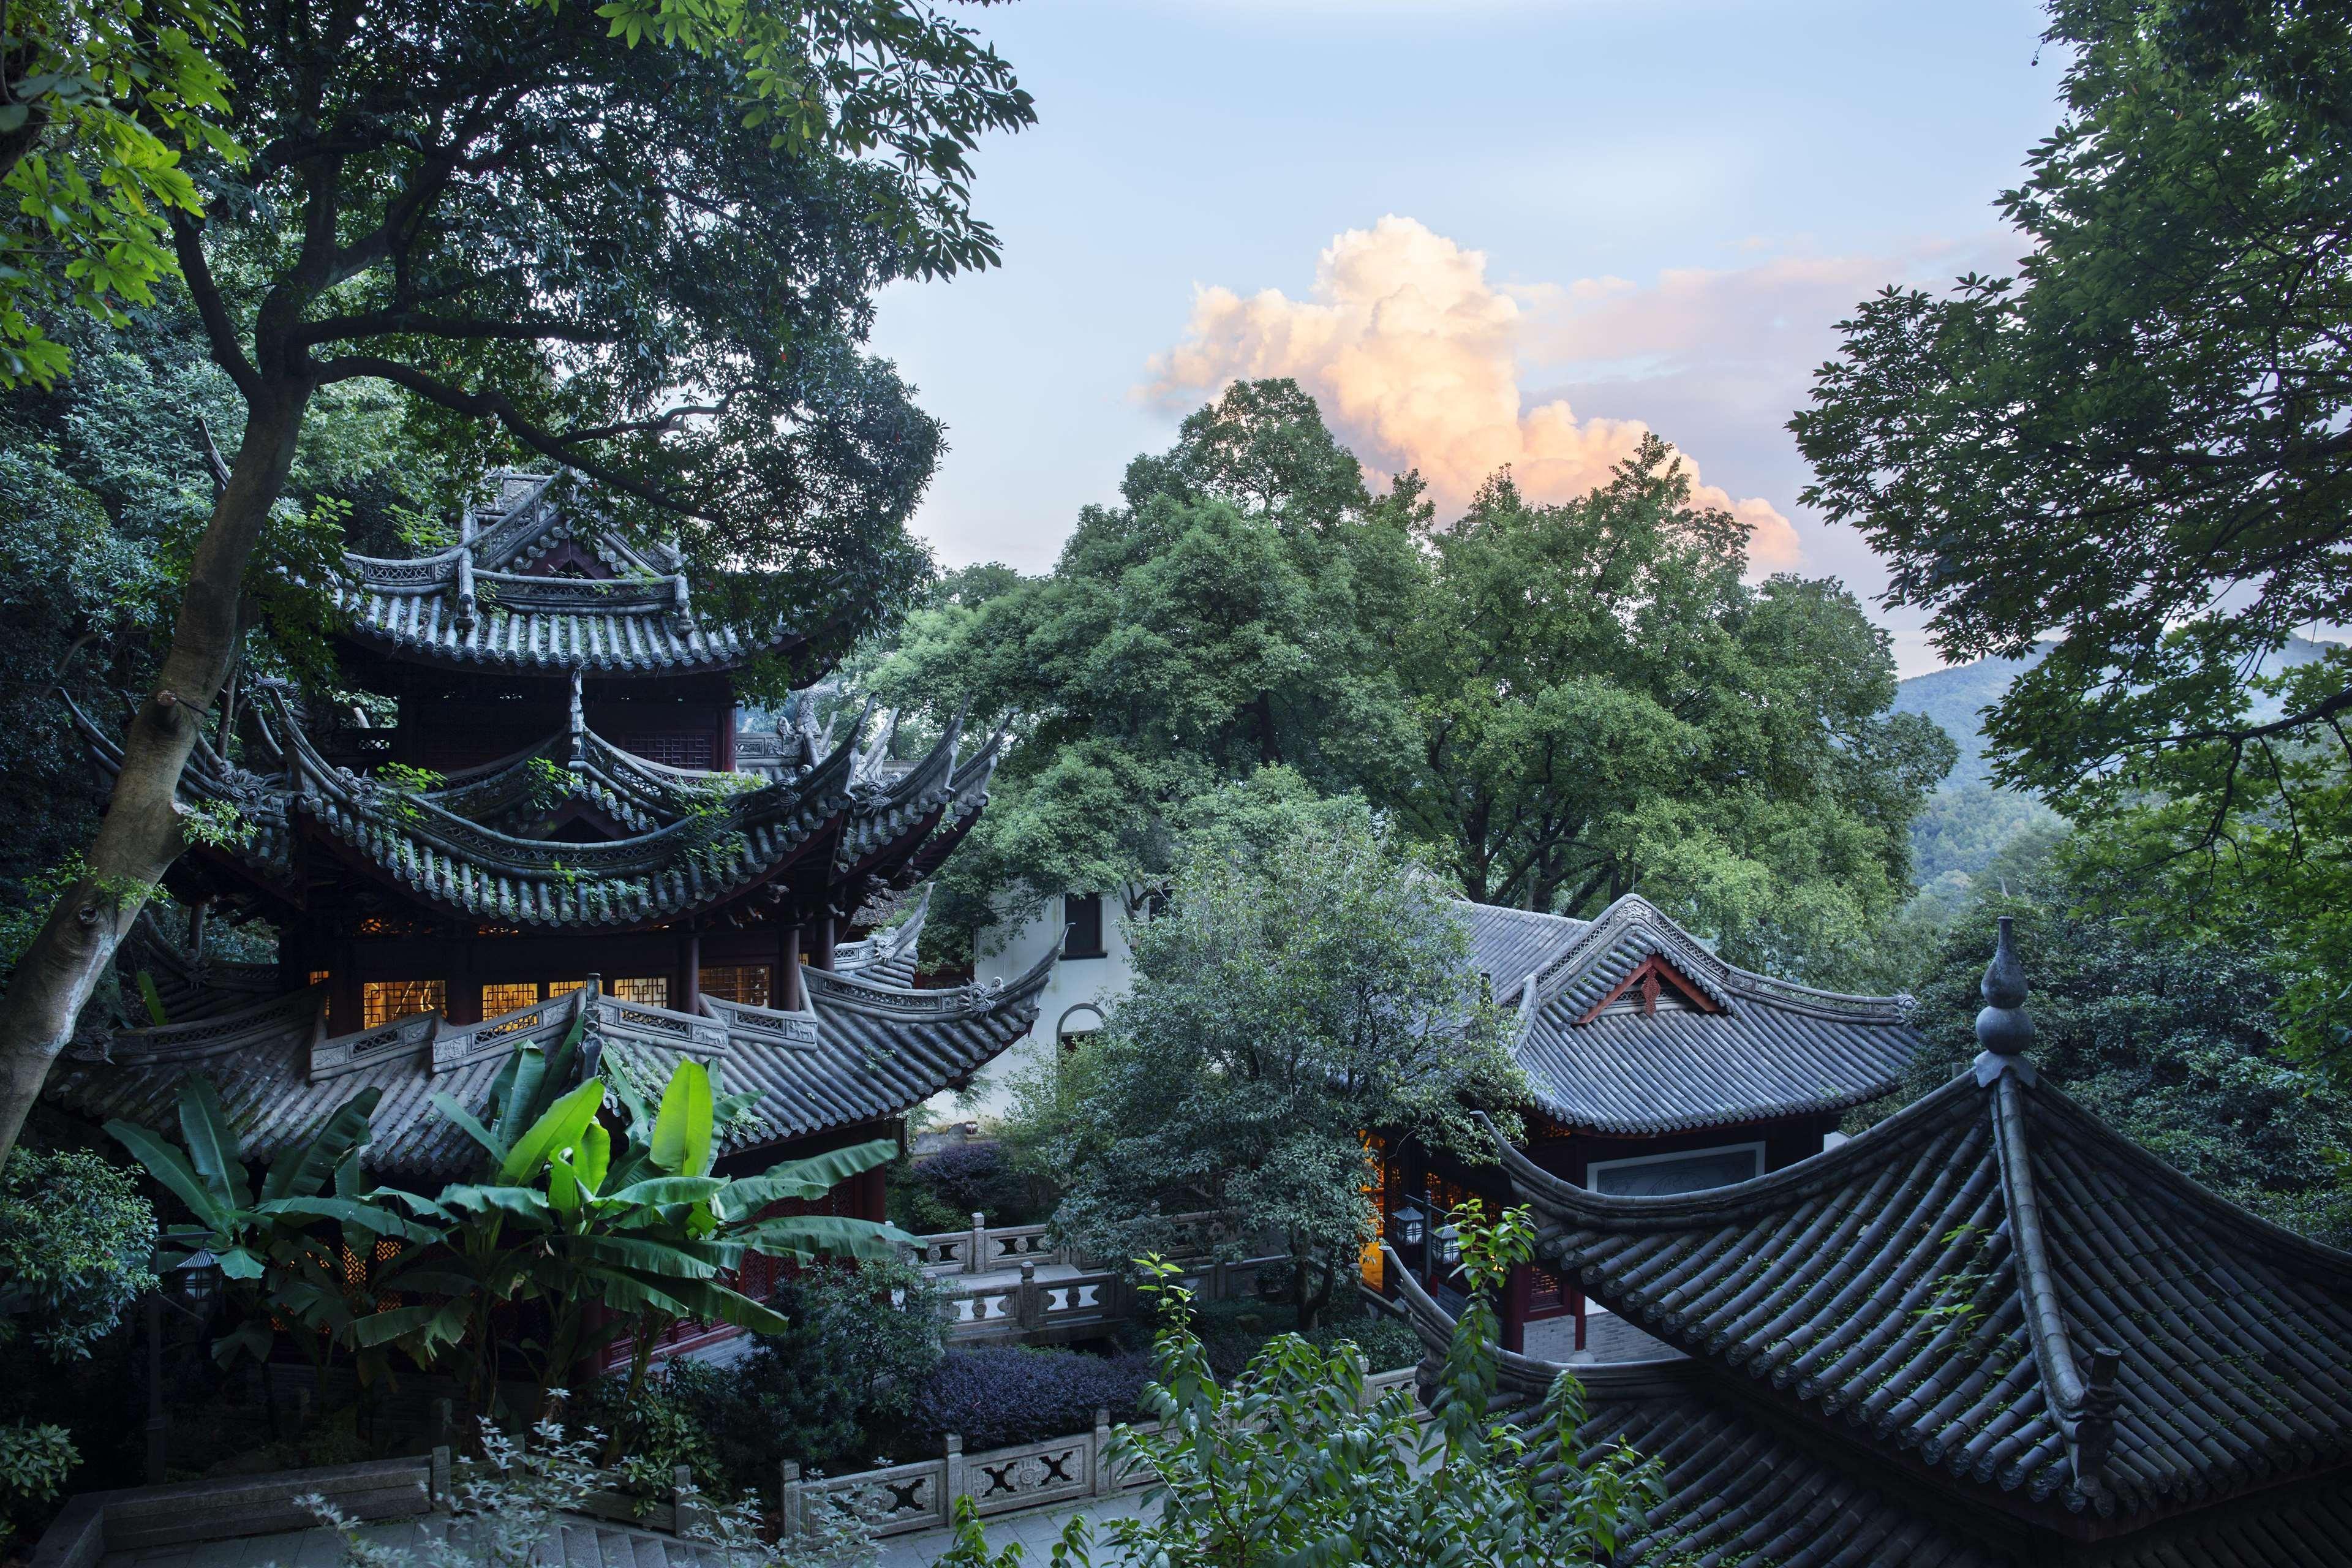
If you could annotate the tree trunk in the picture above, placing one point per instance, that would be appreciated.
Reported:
(140, 835)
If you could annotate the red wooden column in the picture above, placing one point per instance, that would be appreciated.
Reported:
(822, 954)
(1515, 1308)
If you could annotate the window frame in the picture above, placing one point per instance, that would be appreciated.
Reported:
(1070, 948)
(1594, 1168)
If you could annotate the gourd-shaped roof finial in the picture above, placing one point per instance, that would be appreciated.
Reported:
(2003, 1029)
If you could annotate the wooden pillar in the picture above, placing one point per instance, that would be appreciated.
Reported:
(343, 990)
(785, 992)
(1515, 1309)
(463, 988)
(689, 986)
(822, 955)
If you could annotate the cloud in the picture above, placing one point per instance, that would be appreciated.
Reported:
(1414, 356)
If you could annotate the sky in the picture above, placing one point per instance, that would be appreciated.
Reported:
(1480, 231)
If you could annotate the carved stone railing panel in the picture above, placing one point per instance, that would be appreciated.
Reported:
(1008, 1481)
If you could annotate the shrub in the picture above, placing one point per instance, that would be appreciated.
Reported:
(1001, 1394)
(980, 1178)
(33, 1464)
(666, 1425)
(67, 1270)
(852, 1360)
(1234, 1332)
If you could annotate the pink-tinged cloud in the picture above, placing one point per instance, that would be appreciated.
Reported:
(1415, 357)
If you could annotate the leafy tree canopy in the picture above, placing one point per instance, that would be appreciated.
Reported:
(2167, 1030)
(1603, 704)
(2139, 442)
(1568, 702)
(1307, 981)
(97, 101)
(1225, 616)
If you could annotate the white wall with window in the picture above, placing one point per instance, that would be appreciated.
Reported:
(1094, 970)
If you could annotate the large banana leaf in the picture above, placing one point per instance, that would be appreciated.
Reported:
(463, 1120)
(681, 1143)
(170, 1167)
(213, 1146)
(526, 1202)
(663, 1191)
(373, 1218)
(805, 1235)
(808, 1180)
(558, 1128)
(299, 1172)
(647, 1255)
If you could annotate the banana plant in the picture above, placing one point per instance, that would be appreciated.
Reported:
(267, 1237)
(603, 1239)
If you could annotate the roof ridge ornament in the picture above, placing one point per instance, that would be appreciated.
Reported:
(2003, 1029)
(579, 720)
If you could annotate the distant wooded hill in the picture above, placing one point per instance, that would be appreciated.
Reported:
(1969, 821)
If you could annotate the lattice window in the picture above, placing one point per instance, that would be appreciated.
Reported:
(673, 750)
(318, 977)
(745, 985)
(651, 989)
(505, 998)
(382, 1001)
(555, 988)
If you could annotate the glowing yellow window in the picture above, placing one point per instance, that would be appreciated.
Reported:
(650, 989)
(382, 1001)
(500, 1000)
(744, 984)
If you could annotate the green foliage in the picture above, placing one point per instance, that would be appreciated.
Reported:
(1608, 708)
(35, 1462)
(1221, 619)
(2164, 1028)
(99, 102)
(1286, 1463)
(862, 1341)
(1233, 1332)
(70, 1270)
(2137, 444)
(1957, 837)
(1568, 702)
(1291, 996)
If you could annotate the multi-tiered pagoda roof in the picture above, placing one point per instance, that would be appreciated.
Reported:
(540, 815)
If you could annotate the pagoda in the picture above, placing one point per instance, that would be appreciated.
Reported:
(541, 817)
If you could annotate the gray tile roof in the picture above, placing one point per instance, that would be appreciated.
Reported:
(863, 1051)
(1767, 1050)
(472, 848)
(1948, 1287)
(1742, 1487)
(479, 604)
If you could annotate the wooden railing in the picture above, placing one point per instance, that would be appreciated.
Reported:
(1059, 1471)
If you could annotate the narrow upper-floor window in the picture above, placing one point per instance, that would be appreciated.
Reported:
(1082, 925)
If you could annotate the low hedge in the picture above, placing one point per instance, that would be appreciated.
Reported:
(1000, 1394)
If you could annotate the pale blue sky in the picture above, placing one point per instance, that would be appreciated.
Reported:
(1673, 199)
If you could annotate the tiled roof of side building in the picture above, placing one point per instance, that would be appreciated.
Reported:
(1746, 1487)
(2002, 1291)
(489, 601)
(862, 1051)
(1740, 1047)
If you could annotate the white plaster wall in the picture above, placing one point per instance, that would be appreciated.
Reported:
(1004, 952)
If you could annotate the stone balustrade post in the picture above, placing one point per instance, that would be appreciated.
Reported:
(952, 1487)
(794, 1516)
(441, 1498)
(688, 1511)
(1032, 1298)
(979, 1263)
(1106, 1484)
